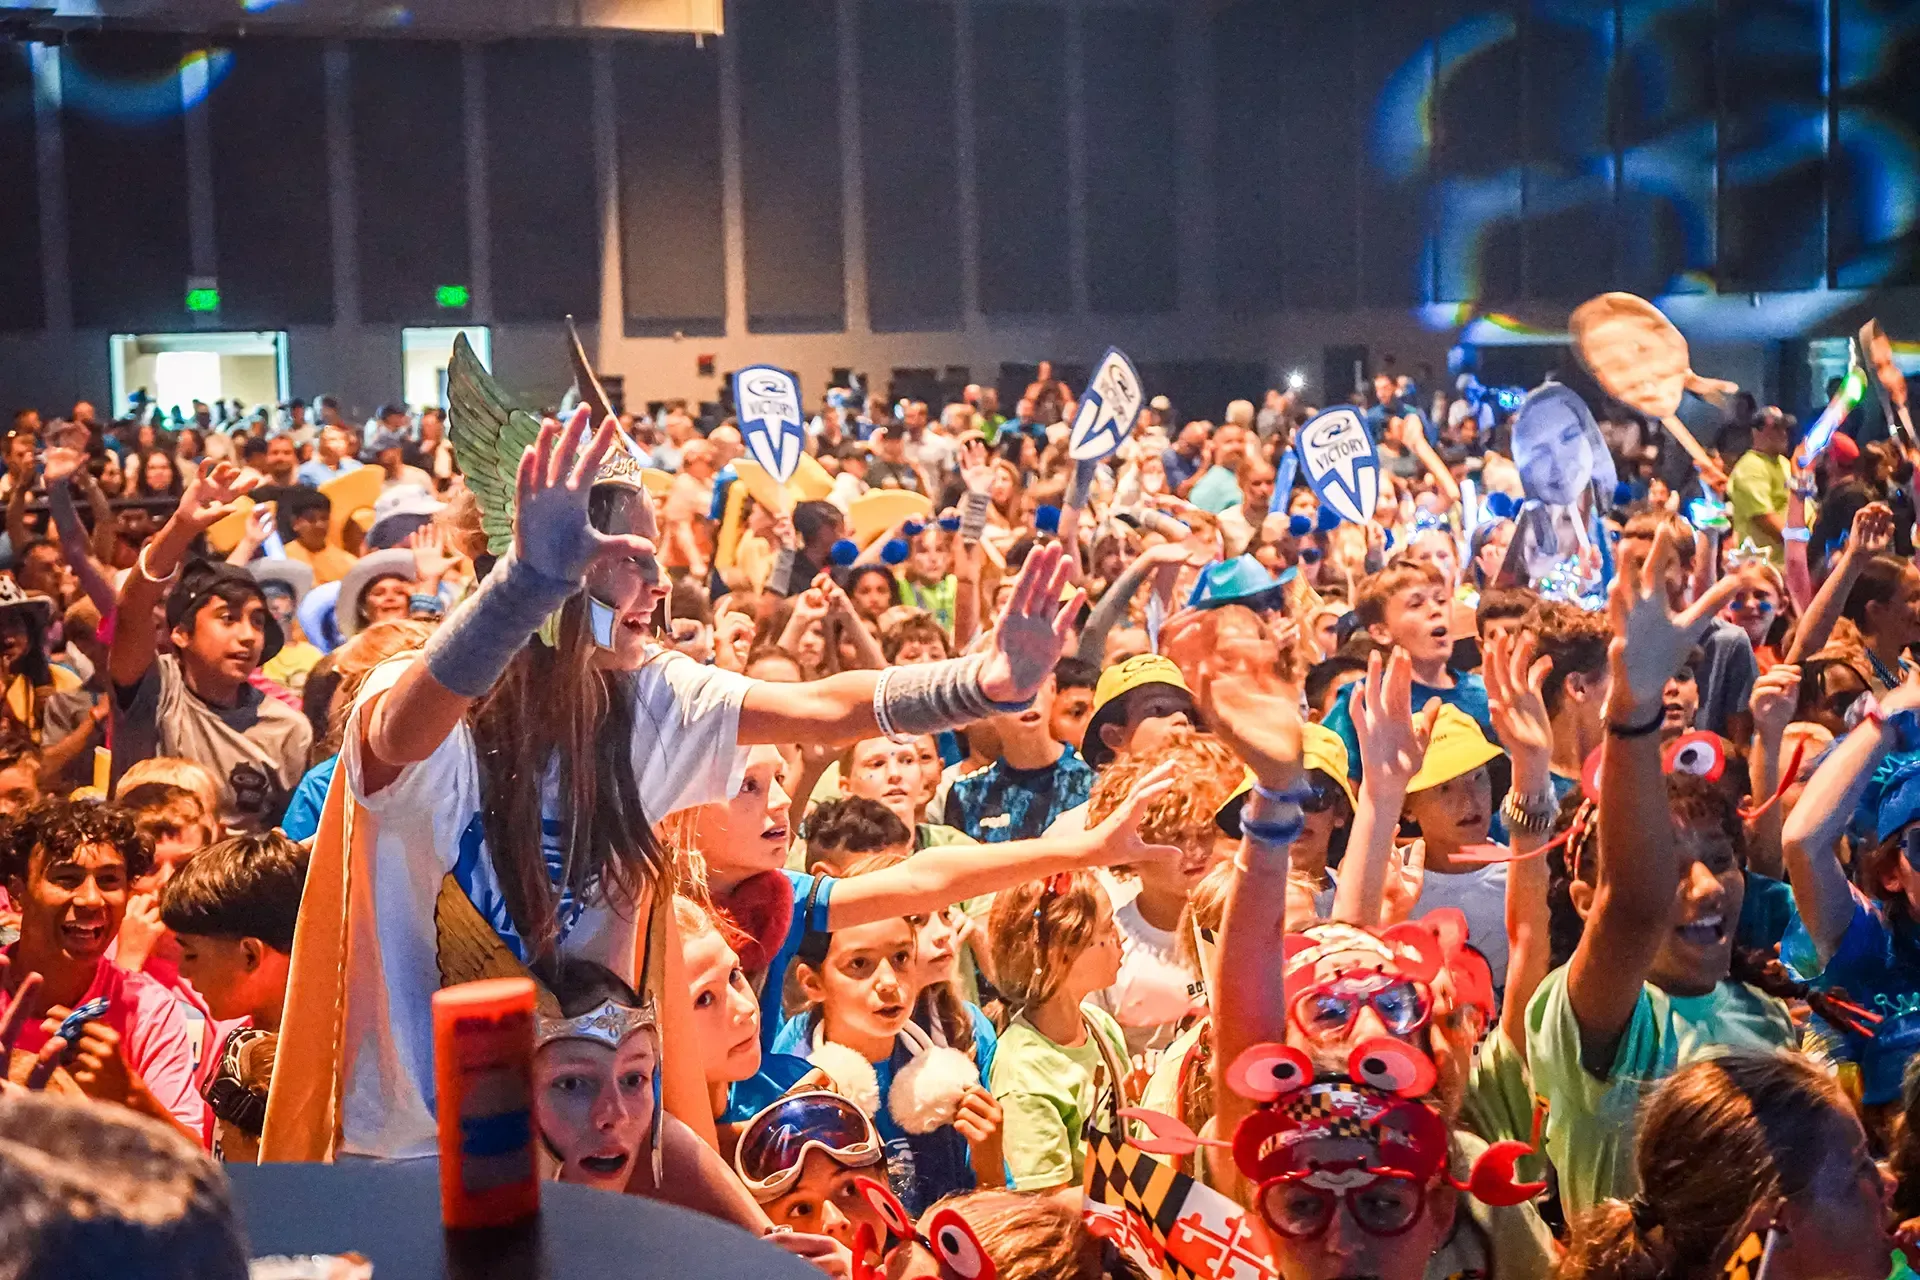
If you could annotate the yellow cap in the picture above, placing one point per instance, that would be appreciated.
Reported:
(1118, 681)
(1321, 750)
(1457, 747)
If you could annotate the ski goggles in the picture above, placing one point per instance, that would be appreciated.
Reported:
(774, 1144)
(1327, 1010)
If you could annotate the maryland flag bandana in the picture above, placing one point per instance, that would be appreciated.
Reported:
(1752, 1243)
(1168, 1223)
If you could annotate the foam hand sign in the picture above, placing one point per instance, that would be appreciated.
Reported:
(767, 401)
(1337, 453)
(1107, 410)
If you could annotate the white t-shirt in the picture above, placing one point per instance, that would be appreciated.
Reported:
(1153, 992)
(1481, 896)
(685, 752)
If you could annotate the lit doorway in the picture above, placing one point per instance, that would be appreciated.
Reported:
(423, 361)
(169, 371)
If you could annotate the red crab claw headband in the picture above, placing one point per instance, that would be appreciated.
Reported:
(1326, 1135)
(948, 1239)
(1415, 951)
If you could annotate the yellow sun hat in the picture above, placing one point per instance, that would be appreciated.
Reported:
(1457, 747)
(1114, 684)
(1321, 751)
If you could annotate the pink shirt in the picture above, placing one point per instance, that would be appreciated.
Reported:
(153, 1035)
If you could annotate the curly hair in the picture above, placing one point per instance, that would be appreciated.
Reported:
(1206, 773)
(55, 828)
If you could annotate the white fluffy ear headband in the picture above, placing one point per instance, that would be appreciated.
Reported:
(926, 1091)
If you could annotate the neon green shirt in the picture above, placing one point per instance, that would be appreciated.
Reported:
(1757, 485)
(1046, 1092)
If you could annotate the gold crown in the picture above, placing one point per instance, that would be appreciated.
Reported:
(608, 1024)
(622, 465)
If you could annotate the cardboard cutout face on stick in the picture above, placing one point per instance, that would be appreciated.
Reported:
(1558, 448)
(1632, 351)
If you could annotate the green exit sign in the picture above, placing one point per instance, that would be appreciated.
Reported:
(453, 297)
(203, 299)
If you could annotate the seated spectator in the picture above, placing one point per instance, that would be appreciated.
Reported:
(70, 867)
(233, 910)
(197, 701)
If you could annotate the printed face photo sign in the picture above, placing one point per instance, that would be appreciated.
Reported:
(767, 401)
(1337, 453)
(1107, 410)
(1632, 351)
(1558, 448)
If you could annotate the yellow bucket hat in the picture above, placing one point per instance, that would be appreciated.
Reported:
(1457, 747)
(1321, 750)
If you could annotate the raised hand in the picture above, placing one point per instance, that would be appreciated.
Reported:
(212, 495)
(1406, 877)
(1231, 661)
(432, 559)
(1871, 533)
(259, 528)
(1393, 741)
(1032, 633)
(13, 1011)
(1776, 694)
(66, 454)
(1518, 708)
(732, 638)
(976, 466)
(1650, 639)
(1118, 840)
(551, 531)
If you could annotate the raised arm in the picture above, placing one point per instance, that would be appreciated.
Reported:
(1638, 871)
(1113, 606)
(1797, 575)
(930, 697)
(1515, 679)
(1393, 742)
(66, 466)
(17, 531)
(1872, 534)
(553, 545)
(209, 498)
(1810, 837)
(1775, 693)
(937, 877)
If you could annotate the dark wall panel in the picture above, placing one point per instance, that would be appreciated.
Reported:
(1323, 151)
(1772, 138)
(410, 177)
(543, 220)
(22, 292)
(791, 164)
(1477, 161)
(1251, 186)
(1665, 128)
(910, 156)
(1872, 236)
(273, 233)
(1394, 77)
(1567, 243)
(1020, 157)
(126, 155)
(672, 248)
(1133, 254)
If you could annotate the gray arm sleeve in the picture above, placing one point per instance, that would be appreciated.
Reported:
(1107, 614)
(471, 649)
(931, 696)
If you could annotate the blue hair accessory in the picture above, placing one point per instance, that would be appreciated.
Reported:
(1892, 798)
(950, 523)
(895, 551)
(1047, 519)
(1328, 520)
(1622, 494)
(1500, 506)
(1300, 526)
(912, 529)
(844, 552)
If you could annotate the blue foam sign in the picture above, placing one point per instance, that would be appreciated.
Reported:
(767, 401)
(1107, 410)
(1337, 454)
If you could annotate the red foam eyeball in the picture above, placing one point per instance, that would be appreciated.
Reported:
(1700, 754)
(1392, 1066)
(957, 1249)
(1268, 1071)
(887, 1205)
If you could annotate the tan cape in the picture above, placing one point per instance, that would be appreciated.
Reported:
(303, 1102)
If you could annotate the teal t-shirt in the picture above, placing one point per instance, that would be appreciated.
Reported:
(1591, 1121)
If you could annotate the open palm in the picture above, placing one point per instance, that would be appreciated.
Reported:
(1032, 633)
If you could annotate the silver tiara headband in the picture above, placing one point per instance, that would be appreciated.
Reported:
(608, 1024)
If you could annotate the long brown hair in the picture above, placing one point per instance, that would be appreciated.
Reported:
(557, 707)
(1766, 1120)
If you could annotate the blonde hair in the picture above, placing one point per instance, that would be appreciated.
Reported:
(1031, 1236)
(355, 660)
(189, 775)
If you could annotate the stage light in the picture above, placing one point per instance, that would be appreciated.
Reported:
(1296, 380)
